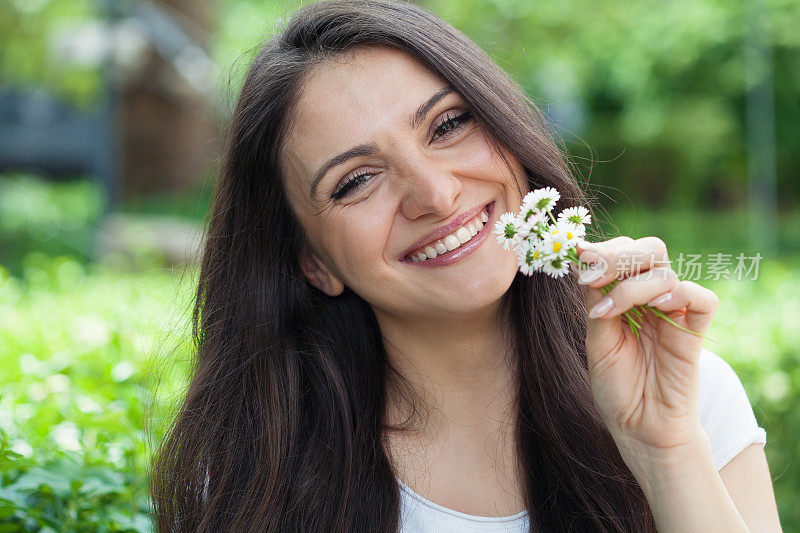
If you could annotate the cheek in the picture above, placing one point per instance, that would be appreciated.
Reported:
(476, 155)
(361, 244)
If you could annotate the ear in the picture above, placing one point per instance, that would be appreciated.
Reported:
(318, 274)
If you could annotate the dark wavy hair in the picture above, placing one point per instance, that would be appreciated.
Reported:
(283, 424)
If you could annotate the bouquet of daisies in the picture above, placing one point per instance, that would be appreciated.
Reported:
(544, 243)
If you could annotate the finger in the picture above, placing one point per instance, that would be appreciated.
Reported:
(635, 290)
(619, 258)
(590, 296)
(699, 302)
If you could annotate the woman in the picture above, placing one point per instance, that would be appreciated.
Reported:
(341, 385)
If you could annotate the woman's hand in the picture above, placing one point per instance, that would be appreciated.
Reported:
(646, 389)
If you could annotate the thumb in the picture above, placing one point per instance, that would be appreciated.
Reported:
(591, 268)
(601, 334)
(590, 295)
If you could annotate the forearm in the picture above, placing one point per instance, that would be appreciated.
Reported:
(684, 489)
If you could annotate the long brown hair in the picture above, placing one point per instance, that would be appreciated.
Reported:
(283, 423)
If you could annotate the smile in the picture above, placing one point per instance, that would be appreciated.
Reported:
(458, 244)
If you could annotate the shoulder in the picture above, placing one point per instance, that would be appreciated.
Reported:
(724, 409)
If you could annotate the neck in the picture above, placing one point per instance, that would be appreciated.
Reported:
(460, 367)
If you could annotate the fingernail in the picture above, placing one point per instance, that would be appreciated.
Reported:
(590, 273)
(602, 307)
(662, 299)
(592, 267)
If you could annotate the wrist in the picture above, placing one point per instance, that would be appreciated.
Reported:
(683, 487)
(660, 468)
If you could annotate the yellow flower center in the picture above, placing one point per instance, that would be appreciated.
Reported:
(536, 254)
(569, 235)
(556, 247)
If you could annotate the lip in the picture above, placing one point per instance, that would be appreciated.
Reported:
(445, 230)
(462, 251)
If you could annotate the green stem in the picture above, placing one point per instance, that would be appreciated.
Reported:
(572, 255)
(668, 319)
(551, 217)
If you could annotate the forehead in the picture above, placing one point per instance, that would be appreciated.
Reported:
(350, 98)
(349, 85)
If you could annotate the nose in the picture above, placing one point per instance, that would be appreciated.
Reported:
(429, 188)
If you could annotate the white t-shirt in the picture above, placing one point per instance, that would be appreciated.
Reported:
(725, 415)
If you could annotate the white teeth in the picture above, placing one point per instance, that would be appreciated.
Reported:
(461, 236)
(451, 242)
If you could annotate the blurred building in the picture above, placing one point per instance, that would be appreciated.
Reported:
(154, 128)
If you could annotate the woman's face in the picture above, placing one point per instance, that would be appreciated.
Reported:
(378, 158)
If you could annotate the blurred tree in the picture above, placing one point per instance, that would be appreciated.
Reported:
(31, 39)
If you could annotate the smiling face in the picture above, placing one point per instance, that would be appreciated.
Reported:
(380, 159)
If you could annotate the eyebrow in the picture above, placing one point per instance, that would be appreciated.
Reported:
(370, 149)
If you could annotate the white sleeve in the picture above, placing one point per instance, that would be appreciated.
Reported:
(725, 411)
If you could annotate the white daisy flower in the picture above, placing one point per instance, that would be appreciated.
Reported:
(506, 231)
(574, 233)
(556, 242)
(527, 214)
(524, 262)
(529, 206)
(543, 199)
(539, 254)
(577, 215)
(530, 257)
(557, 267)
(533, 223)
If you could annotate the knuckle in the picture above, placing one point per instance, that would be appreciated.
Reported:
(619, 244)
(691, 287)
(655, 242)
(713, 297)
(657, 245)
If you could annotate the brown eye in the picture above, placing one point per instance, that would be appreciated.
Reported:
(351, 184)
(450, 124)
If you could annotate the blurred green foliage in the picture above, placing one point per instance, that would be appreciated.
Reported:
(51, 218)
(84, 351)
(696, 231)
(31, 34)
